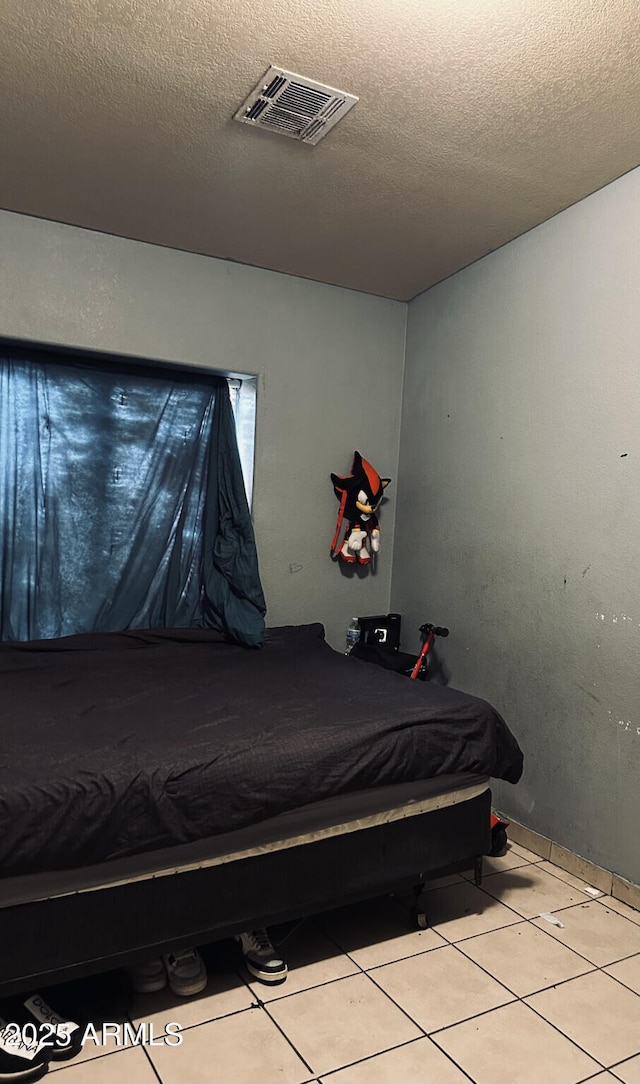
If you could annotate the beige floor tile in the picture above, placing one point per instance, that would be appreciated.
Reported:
(332, 1026)
(511, 860)
(464, 911)
(125, 1067)
(440, 988)
(622, 909)
(379, 931)
(512, 1045)
(246, 1048)
(602, 1078)
(530, 890)
(571, 879)
(312, 959)
(597, 1013)
(628, 1071)
(596, 932)
(419, 1062)
(224, 994)
(628, 972)
(523, 958)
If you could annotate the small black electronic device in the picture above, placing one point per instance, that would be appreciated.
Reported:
(382, 630)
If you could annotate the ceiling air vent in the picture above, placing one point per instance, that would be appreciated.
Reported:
(294, 106)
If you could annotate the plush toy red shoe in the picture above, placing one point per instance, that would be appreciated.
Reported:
(360, 494)
(498, 836)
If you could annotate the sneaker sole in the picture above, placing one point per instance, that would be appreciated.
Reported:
(26, 1075)
(188, 989)
(270, 977)
(64, 1054)
(153, 986)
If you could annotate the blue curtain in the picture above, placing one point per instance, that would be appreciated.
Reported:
(122, 503)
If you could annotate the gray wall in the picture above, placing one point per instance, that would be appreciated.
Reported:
(329, 363)
(518, 509)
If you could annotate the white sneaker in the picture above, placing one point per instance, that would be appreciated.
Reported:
(186, 972)
(149, 977)
(261, 958)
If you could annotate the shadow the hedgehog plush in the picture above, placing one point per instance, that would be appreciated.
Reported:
(359, 494)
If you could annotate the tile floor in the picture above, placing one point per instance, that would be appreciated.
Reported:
(492, 992)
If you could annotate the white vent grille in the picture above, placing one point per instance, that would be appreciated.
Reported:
(294, 106)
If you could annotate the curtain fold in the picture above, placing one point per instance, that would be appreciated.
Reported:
(112, 498)
(232, 590)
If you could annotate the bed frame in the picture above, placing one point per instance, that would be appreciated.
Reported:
(57, 927)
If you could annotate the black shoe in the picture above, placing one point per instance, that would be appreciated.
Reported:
(22, 1059)
(261, 958)
(67, 1036)
(186, 972)
(60, 1036)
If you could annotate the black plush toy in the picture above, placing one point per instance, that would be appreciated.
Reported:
(359, 494)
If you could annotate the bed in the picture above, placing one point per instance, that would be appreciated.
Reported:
(166, 788)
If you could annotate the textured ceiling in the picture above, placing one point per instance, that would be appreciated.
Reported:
(477, 120)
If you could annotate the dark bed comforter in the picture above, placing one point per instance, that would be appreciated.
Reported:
(119, 743)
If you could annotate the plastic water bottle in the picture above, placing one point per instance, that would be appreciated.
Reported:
(353, 635)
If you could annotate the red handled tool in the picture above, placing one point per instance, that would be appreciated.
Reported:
(429, 632)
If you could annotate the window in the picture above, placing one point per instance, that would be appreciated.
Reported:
(112, 501)
(243, 402)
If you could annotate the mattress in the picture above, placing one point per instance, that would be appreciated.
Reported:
(118, 744)
(308, 824)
